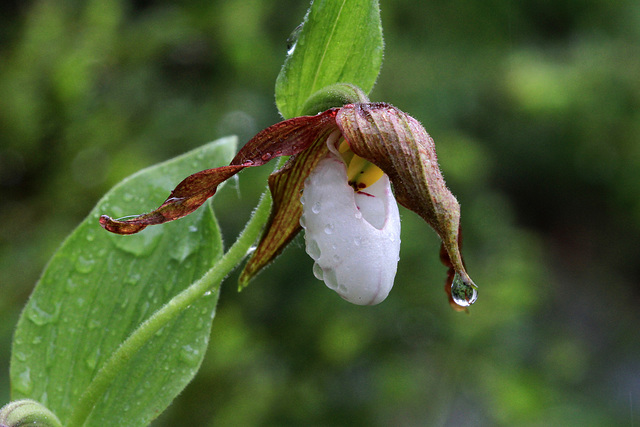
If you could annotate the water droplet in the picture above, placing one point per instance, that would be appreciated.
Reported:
(328, 229)
(70, 285)
(132, 279)
(317, 271)
(93, 324)
(358, 215)
(266, 156)
(357, 240)
(248, 163)
(90, 237)
(330, 279)
(41, 317)
(174, 200)
(463, 292)
(23, 383)
(84, 265)
(186, 245)
(190, 355)
(127, 197)
(36, 340)
(316, 208)
(92, 360)
(292, 40)
(21, 356)
(313, 249)
(140, 244)
(193, 229)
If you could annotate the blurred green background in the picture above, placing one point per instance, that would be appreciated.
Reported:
(535, 109)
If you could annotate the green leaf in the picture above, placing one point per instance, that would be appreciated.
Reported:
(99, 287)
(340, 42)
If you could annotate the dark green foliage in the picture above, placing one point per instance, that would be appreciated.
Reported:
(534, 110)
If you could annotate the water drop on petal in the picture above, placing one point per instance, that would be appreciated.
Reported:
(463, 291)
(317, 271)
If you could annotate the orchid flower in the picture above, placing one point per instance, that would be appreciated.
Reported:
(337, 186)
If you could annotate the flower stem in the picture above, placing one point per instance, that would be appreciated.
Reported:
(170, 311)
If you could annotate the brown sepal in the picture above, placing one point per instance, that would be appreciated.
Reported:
(282, 139)
(402, 148)
(286, 187)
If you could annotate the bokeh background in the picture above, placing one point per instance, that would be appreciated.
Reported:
(535, 109)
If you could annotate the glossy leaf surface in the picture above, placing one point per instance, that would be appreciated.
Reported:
(99, 287)
(339, 42)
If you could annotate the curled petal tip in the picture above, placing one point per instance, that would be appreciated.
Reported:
(120, 227)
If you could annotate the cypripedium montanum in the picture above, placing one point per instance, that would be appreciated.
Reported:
(336, 185)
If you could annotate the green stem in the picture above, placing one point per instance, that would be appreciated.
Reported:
(168, 312)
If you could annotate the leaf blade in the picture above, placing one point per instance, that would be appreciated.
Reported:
(81, 310)
(340, 42)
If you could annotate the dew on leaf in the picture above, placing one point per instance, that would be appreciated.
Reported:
(23, 383)
(70, 285)
(185, 246)
(84, 265)
(132, 279)
(92, 360)
(41, 317)
(140, 244)
(190, 355)
(93, 324)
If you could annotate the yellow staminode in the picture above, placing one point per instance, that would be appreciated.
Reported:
(360, 172)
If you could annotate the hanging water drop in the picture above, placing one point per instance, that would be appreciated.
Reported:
(316, 207)
(463, 291)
